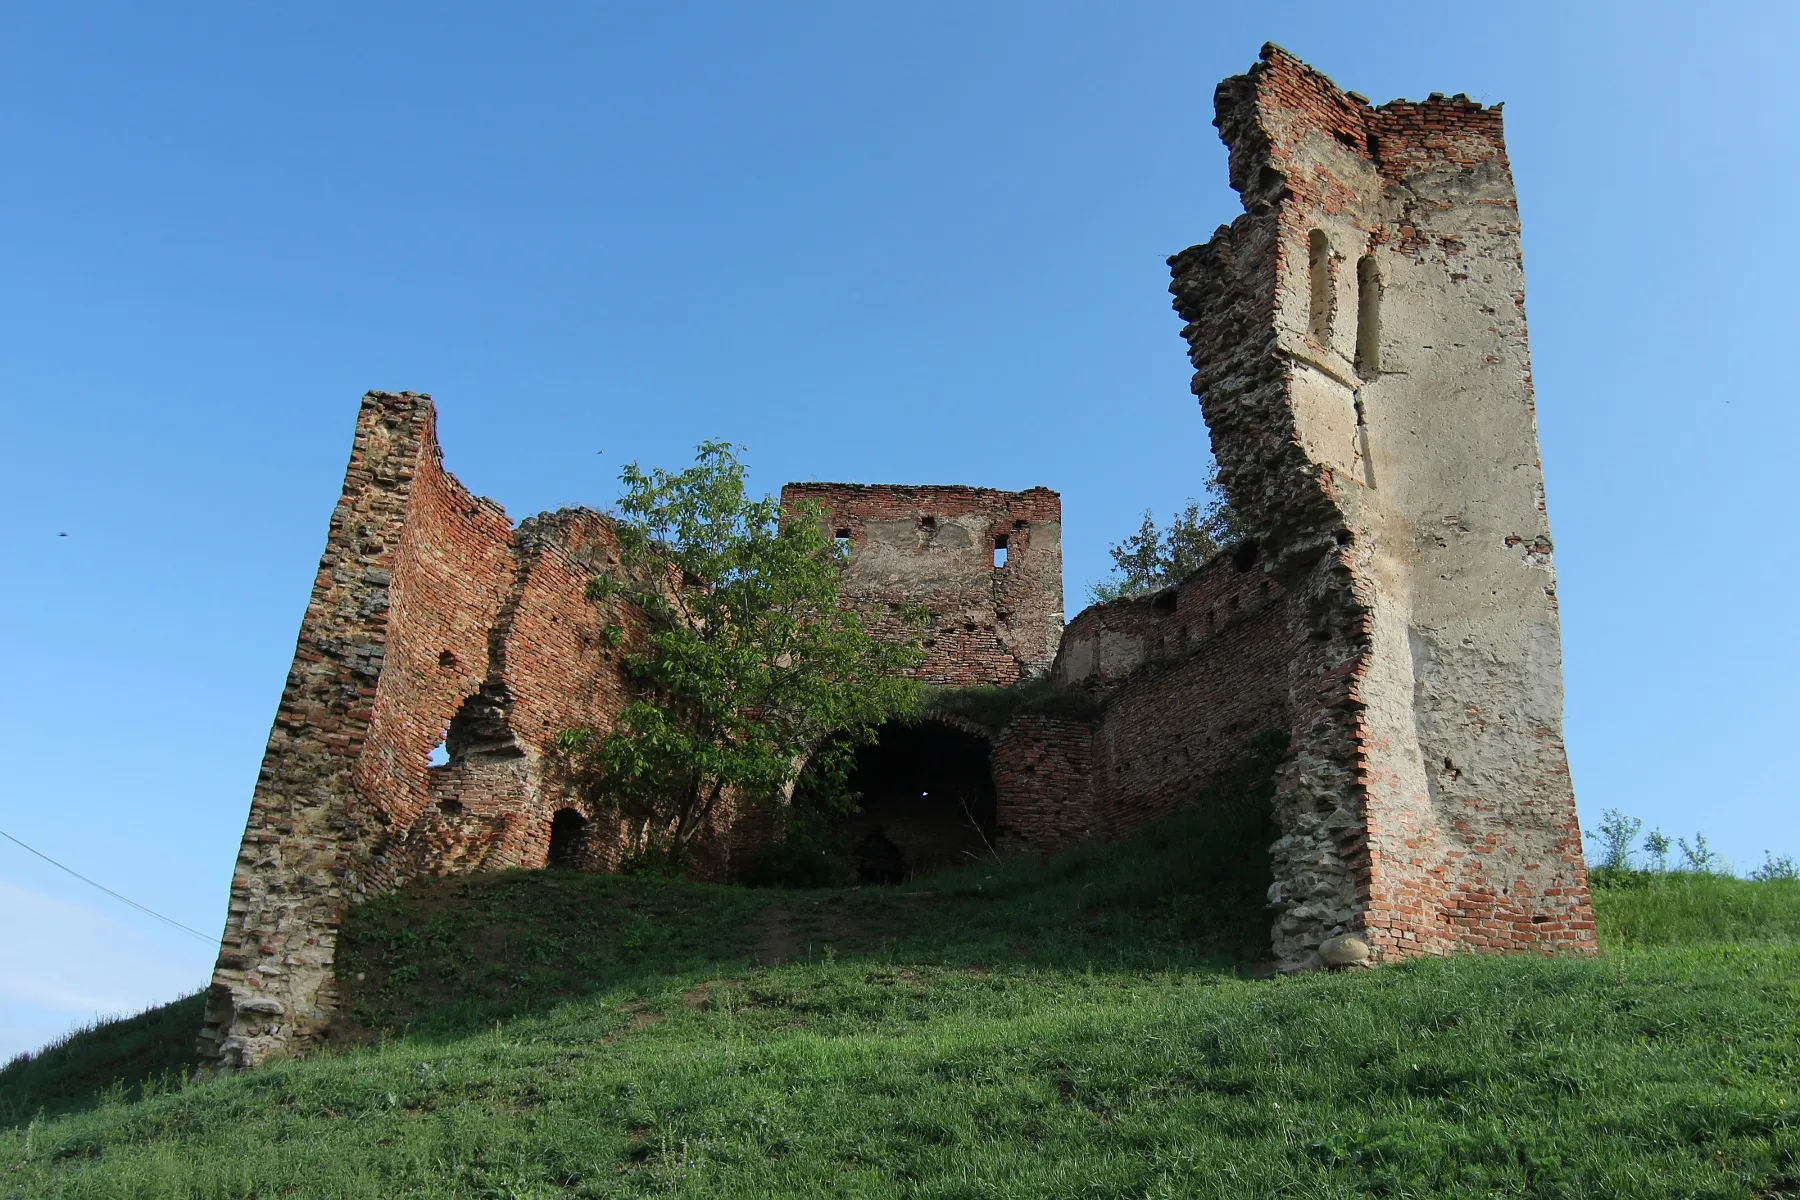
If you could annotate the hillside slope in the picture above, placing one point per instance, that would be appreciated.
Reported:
(1082, 1027)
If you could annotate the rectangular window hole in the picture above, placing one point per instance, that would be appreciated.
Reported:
(999, 551)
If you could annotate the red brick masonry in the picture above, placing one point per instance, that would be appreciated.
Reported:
(1359, 349)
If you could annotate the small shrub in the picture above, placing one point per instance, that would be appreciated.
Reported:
(1774, 869)
(1616, 833)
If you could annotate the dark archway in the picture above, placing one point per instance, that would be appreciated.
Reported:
(927, 803)
(568, 840)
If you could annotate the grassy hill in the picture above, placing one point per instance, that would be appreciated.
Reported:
(1088, 1027)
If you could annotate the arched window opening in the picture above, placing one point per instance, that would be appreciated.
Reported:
(1321, 297)
(1368, 316)
(568, 840)
(927, 802)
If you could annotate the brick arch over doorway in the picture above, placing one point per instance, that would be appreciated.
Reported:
(927, 801)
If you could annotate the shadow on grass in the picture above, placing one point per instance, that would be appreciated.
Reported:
(449, 956)
(124, 1059)
(454, 955)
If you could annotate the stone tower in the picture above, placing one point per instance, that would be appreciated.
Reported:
(1358, 339)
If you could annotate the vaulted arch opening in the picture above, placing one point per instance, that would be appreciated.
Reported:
(927, 802)
(568, 840)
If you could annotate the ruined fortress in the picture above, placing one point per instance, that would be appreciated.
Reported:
(1359, 351)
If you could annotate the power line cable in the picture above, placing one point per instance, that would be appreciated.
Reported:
(187, 929)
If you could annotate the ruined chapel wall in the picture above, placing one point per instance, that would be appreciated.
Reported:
(304, 853)
(934, 547)
(1376, 431)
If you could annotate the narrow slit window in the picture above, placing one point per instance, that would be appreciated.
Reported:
(843, 541)
(1368, 317)
(1320, 299)
(999, 551)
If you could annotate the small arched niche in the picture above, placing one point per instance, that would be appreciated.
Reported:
(1368, 317)
(568, 840)
(1321, 294)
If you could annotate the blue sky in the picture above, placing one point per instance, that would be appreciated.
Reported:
(913, 243)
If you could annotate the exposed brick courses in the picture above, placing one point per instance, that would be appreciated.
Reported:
(934, 547)
(1359, 350)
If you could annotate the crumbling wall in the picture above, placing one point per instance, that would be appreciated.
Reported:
(345, 760)
(1209, 680)
(1043, 787)
(935, 547)
(431, 621)
(1358, 339)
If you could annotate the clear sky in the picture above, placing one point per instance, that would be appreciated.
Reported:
(915, 243)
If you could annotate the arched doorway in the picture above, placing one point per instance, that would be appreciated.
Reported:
(928, 803)
(568, 840)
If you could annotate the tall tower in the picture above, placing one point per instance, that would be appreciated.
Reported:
(1358, 339)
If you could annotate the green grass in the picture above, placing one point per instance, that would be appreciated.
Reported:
(1077, 1028)
(1649, 908)
(122, 1059)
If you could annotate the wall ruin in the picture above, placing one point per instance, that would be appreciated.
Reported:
(432, 620)
(941, 548)
(1359, 350)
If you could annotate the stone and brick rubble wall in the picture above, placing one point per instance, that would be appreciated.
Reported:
(1359, 348)
(305, 849)
(934, 547)
(432, 621)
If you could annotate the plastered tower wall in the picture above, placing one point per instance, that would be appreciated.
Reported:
(935, 547)
(1358, 338)
(431, 620)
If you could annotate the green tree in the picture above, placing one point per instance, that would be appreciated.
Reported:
(1152, 559)
(749, 663)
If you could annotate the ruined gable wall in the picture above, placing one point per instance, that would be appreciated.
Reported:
(305, 852)
(934, 546)
(1376, 432)
(432, 620)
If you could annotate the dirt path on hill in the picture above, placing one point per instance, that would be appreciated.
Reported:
(786, 931)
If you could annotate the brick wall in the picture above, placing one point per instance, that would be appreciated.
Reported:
(935, 547)
(1359, 346)
(432, 620)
